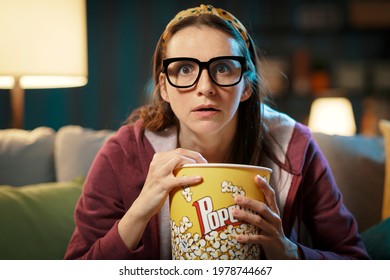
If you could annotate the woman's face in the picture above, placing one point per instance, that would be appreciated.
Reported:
(204, 108)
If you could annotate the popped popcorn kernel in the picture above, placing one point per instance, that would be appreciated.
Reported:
(220, 245)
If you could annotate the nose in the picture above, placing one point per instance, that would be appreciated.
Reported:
(205, 84)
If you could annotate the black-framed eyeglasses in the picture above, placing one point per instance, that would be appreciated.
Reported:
(184, 72)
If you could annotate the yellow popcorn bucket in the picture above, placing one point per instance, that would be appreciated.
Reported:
(202, 226)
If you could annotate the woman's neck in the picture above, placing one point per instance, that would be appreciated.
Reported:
(214, 147)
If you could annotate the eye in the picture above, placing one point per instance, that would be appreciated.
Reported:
(222, 68)
(185, 69)
(182, 68)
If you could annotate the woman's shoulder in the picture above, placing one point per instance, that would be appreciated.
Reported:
(128, 137)
(134, 136)
(126, 133)
(275, 119)
(291, 138)
(283, 127)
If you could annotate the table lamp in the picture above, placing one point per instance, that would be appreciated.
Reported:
(43, 44)
(332, 115)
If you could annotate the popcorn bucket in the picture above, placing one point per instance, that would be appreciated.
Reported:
(202, 226)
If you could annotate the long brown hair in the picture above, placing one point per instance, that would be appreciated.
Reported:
(249, 139)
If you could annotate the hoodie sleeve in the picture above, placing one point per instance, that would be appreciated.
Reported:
(113, 183)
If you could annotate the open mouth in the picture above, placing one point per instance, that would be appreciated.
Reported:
(206, 109)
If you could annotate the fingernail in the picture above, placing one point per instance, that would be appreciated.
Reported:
(260, 178)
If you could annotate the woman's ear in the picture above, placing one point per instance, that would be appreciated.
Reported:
(163, 89)
(246, 93)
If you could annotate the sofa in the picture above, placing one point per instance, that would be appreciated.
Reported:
(41, 177)
(42, 173)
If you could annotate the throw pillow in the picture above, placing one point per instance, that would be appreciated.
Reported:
(37, 221)
(26, 157)
(384, 126)
(75, 149)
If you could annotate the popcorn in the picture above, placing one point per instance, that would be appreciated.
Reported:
(228, 187)
(220, 244)
(187, 194)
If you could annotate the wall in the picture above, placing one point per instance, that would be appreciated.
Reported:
(122, 35)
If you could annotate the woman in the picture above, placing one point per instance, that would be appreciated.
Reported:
(208, 107)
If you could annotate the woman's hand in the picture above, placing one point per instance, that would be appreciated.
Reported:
(158, 184)
(271, 236)
(161, 180)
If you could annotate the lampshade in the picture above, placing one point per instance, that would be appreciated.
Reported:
(43, 43)
(332, 116)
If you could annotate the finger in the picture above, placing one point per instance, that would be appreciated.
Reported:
(254, 219)
(179, 157)
(193, 155)
(253, 238)
(186, 180)
(269, 193)
(260, 208)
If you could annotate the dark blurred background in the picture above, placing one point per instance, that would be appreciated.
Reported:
(310, 49)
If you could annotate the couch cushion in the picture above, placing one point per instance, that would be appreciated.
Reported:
(377, 240)
(37, 221)
(384, 126)
(75, 149)
(26, 157)
(358, 166)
